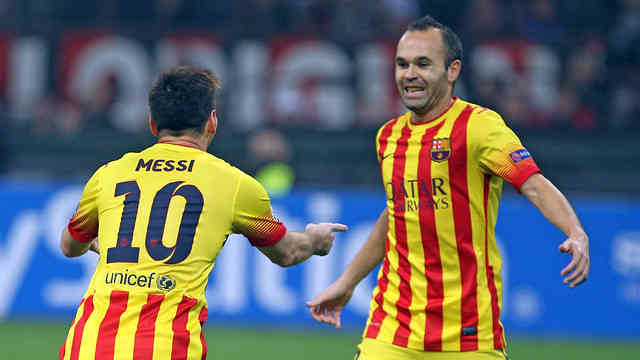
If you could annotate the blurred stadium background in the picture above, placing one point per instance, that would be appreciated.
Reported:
(306, 84)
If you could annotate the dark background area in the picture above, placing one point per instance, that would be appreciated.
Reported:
(570, 91)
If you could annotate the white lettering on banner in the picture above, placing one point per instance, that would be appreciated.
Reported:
(28, 76)
(527, 304)
(65, 293)
(625, 260)
(128, 61)
(272, 292)
(320, 272)
(22, 239)
(250, 60)
(374, 81)
(229, 291)
(332, 100)
(200, 51)
(626, 254)
(503, 274)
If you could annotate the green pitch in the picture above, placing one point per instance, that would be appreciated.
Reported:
(38, 340)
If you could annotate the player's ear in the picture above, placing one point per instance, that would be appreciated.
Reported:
(153, 127)
(453, 71)
(212, 122)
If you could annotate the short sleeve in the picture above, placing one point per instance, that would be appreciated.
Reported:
(252, 214)
(83, 225)
(500, 151)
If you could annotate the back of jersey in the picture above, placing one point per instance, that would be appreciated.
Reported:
(161, 217)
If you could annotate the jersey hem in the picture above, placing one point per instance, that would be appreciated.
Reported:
(421, 346)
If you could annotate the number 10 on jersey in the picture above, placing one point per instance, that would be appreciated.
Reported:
(125, 252)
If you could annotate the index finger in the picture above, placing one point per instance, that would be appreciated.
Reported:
(338, 227)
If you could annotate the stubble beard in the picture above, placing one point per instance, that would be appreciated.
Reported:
(433, 97)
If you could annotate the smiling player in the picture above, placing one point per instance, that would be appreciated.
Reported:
(443, 163)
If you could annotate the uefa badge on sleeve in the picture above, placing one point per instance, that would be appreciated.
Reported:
(440, 149)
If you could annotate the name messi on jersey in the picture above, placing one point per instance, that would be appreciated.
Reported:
(165, 165)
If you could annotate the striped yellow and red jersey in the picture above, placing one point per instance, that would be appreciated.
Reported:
(439, 287)
(161, 217)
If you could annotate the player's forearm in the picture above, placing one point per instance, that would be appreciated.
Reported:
(296, 248)
(553, 205)
(369, 255)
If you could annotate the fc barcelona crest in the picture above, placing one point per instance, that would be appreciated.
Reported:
(440, 149)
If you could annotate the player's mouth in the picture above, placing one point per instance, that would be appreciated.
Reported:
(414, 92)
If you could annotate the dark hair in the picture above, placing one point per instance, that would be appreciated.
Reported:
(182, 98)
(450, 39)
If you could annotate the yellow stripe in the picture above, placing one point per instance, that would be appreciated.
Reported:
(418, 282)
(448, 250)
(195, 345)
(91, 328)
(125, 338)
(389, 323)
(495, 260)
(475, 180)
(164, 328)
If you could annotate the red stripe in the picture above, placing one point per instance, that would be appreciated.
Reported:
(204, 313)
(379, 314)
(462, 225)
(62, 348)
(384, 137)
(145, 333)
(433, 263)
(498, 343)
(180, 332)
(77, 334)
(401, 337)
(109, 326)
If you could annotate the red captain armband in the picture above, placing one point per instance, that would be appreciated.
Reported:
(270, 237)
(525, 171)
(80, 236)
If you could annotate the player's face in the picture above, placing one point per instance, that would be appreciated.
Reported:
(420, 73)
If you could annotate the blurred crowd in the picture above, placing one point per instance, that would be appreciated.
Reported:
(543, 64)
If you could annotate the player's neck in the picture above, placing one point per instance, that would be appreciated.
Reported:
(187, 141)
(434, 113)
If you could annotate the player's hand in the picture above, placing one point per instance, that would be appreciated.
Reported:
(322, 236)
(328, 304)
(578, 269)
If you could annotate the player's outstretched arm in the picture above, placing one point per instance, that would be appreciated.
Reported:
(556, 208)
(296, 247)
(328, 304)
(73, 248)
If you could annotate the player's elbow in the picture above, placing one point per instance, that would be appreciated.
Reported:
(66, 250)
(69, 250)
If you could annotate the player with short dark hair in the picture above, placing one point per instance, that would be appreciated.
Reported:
(158, 218)
(443, 163)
